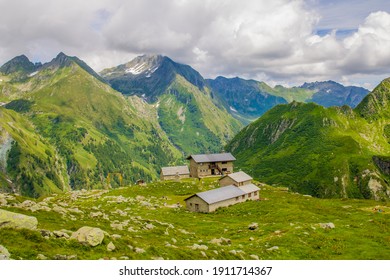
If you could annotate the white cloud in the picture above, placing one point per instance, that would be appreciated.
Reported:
(272, 40)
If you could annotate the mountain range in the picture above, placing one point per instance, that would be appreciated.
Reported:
(64, 126)
(325, 152)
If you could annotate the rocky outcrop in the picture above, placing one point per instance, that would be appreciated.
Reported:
(18, 221)
(89, 236)
(383, 164)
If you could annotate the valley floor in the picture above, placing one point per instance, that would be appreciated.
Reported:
(145, 222)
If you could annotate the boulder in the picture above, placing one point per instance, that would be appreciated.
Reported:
(139, 250)
(61, 234)
(111, 247)
(149, 226)
(221, 241)
(4, 254)
(253, 226)
(18, 221)
(273, 248)
(327, 225)
(3, 201)
(89, 236)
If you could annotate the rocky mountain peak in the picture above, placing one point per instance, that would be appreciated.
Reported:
(18, 64)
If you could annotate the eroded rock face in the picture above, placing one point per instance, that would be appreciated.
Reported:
(89, 236)
(18, 221)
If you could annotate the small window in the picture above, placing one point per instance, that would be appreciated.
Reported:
(224, 162)
(190, 204)
(255, 193)
(249, 194)
(243, 197)
(237, 198)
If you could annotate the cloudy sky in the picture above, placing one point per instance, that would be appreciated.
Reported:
(280, 42)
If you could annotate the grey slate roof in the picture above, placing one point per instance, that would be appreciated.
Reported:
(173, 170)
(220, 194)
(212, 157)
(239, 176)
(249, 188)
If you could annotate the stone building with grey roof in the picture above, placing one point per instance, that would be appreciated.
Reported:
(211, 200)
(237, 179)
(206, 165)
(174, 172)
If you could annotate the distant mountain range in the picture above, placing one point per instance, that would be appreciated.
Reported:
(64, 126)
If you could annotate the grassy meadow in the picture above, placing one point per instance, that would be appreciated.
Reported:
(144, 222)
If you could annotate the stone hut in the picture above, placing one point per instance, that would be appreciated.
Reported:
(206, 165)
(174, 172)
(211, 200)
(237, 179)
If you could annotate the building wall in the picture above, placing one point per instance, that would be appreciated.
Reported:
(253, 196)
(225, 203)
(199, 170)
(226, 181)
(191, 204)
(173, 177)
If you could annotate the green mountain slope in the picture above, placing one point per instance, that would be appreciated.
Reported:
(194, 120)
(326, 152)
(93, 129)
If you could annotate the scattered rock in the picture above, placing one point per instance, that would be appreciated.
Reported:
(253, 226)
(327, 225)
(149, 226)
(116, 226)
(3, 201)
(75, 210)
(4, 254)
(59, 210)
(61, 234)
(124, 258)
(203, 254)
(221, 241)
(158, 258)
(273, 248)
(41, 257)
(111, 247)
(95, 214)
(18, 221)
(277, 232)
(46, 233)
(251, 239)
(27, 204)
(89, 236)
(199, 247)
(65, 257)
(116, 236)
(139, 250)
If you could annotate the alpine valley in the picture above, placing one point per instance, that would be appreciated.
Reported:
(65, 127)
